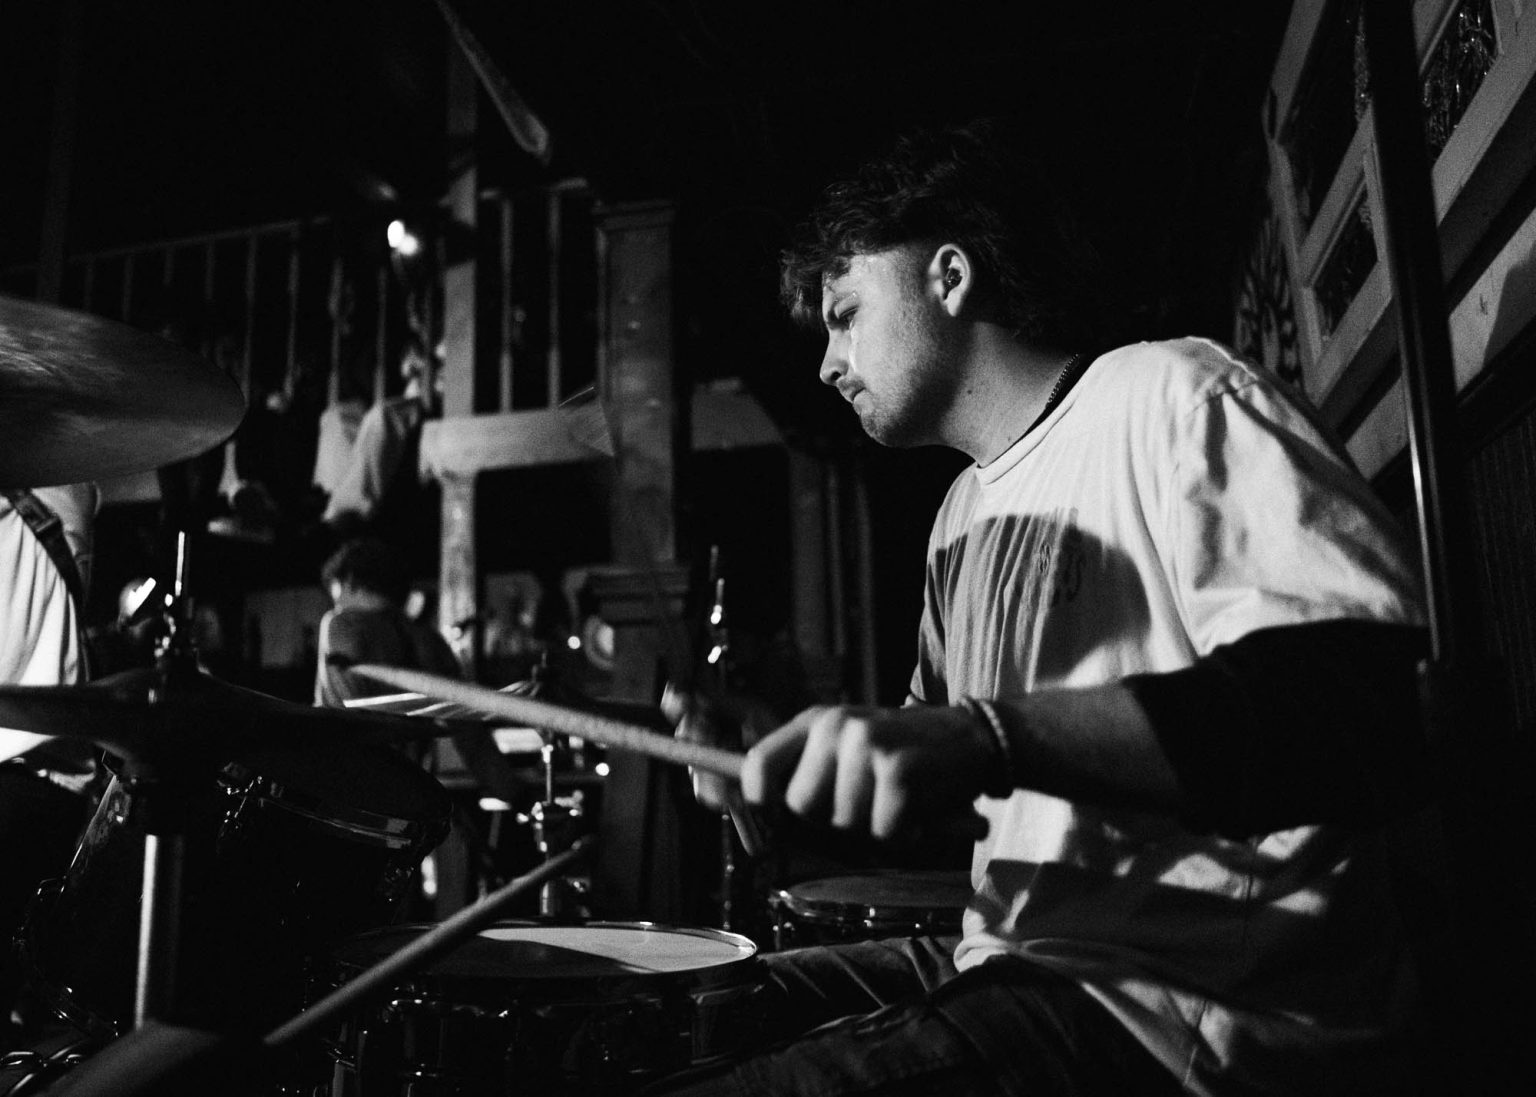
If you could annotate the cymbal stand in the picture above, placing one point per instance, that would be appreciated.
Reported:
(158, 800)
(552, 819)
(719, 653)
(159, 1059)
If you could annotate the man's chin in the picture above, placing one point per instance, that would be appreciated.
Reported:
(888, 433)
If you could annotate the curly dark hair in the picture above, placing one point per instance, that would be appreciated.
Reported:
(972, 186)
(371, 564)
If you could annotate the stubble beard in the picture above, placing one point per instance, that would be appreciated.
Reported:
(910, 413)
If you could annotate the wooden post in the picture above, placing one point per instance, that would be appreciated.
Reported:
(458, 568)
(458, 571)
(639, 869)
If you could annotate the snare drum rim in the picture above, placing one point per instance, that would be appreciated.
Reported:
(500, 988)
(828, 911)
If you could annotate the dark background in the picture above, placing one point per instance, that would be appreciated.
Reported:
(198, 116)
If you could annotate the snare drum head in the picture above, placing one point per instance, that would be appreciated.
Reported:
(511, 953)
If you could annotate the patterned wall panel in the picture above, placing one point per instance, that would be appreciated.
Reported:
(1265, 325)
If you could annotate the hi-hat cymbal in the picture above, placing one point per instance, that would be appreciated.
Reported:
(195, 718)
(84, 398)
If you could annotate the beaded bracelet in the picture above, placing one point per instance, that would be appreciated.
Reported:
(1003, 780)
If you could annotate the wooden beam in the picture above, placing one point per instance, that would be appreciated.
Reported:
(724, 418)
(467, 444)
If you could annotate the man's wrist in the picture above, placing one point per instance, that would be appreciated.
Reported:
(1002, 775)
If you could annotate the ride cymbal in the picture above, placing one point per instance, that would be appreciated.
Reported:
(194, 718)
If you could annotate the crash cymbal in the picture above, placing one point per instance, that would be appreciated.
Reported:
(195, 718)
(84, 398)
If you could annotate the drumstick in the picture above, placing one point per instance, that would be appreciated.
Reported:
(602, 730)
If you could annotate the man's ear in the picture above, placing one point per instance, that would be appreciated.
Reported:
(951, 276)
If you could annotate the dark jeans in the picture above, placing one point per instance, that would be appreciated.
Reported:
(893, 1017)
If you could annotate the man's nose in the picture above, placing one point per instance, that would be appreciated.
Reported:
(833, 364)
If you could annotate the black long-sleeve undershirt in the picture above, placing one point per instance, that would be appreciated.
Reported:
(1312, 723)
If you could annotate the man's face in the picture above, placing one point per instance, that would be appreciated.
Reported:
(886, 352)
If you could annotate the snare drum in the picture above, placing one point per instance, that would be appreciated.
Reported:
(532, 1009)
(869, 906)
(280, 867)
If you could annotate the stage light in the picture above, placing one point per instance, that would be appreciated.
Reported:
(404, 242)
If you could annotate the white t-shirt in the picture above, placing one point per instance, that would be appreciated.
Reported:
(39, 627)
(1176, 500)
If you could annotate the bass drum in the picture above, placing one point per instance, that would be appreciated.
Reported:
(533, 1009)
(281, 866)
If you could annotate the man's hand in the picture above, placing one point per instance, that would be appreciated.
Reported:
(731, 724)
(875, 770)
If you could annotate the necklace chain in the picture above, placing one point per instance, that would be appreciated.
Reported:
(1059, 389)
(1061, 380)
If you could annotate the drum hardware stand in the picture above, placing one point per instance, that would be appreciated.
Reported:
(553, 817)
(718, 671)
(158, 1059)
(423, 950)
(158, 799)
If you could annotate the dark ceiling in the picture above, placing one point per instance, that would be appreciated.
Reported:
(195, 116)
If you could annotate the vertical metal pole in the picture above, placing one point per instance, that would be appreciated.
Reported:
(333, 300)
(552, 362)
(159, 927)
(381, 335)
(1484, 948)
(1413, 254)
(507, 326)
(247, 358)
(291, 355)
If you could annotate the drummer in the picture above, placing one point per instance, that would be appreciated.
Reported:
(45, 784)
(1167, 653)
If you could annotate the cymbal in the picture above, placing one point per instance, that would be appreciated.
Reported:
(194, 719)
(85, 398)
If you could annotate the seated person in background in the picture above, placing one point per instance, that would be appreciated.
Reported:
(368, 582)
(1167, 653)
